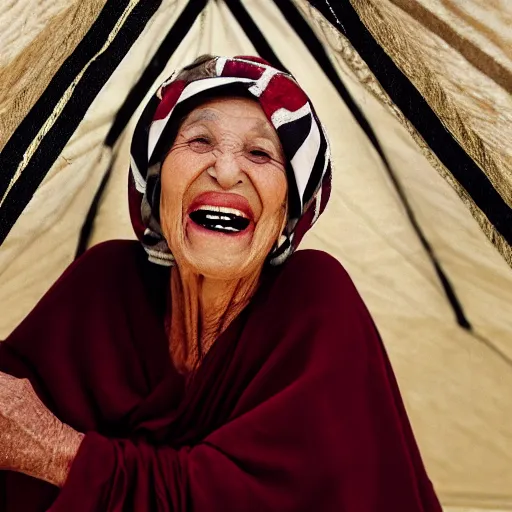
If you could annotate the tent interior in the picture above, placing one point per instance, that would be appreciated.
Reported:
(415, 97)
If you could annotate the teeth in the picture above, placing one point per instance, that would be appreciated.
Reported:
(225, 220)
(217, 217)
(222, 209)
(227, 228)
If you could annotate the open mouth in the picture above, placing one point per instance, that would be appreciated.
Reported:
(221, 219)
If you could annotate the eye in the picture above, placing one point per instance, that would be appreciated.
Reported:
(259, 156)
(200, 144)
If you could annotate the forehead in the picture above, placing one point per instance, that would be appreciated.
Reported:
(243, 112)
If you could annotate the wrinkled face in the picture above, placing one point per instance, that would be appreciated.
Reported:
(224, 189)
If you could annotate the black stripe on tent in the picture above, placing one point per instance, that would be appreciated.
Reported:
(165, 51)
(97, 74)
(316, 48)
(85, 232)
(414, 106)
(256, 37)
(86, 49)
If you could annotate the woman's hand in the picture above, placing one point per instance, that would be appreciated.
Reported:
(32, 440)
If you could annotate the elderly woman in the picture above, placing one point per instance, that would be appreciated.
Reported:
(209, 367)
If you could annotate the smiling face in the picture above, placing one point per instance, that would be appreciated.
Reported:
(226, 155)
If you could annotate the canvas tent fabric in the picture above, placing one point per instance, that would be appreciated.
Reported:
(417, 106)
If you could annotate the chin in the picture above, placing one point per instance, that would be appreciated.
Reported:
(224, 257)
(224, 268)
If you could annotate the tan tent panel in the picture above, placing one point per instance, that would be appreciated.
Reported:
(457, 383)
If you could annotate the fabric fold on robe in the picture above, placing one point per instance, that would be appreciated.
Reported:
(295, 408)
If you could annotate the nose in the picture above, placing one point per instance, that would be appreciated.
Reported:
(226, 171)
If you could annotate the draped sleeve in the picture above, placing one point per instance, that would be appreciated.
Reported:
(319, 426)
(84, 347)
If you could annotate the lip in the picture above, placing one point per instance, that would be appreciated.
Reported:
(222, 199)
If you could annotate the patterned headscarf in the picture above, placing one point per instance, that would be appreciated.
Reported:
(286, 106)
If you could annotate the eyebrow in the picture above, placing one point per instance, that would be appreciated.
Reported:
(201, 115)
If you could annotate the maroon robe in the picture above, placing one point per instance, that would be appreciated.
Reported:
(294, 409)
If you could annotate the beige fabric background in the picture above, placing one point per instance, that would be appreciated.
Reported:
(473, 106)
(28, 53)
(457, 391)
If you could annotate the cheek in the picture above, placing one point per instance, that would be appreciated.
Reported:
(173, 185)
(169, 195)
(178, 172)
(273, 189)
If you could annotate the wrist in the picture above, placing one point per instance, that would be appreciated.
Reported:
(63, 454)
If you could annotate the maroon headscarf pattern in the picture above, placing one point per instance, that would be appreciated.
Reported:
(286, 106)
